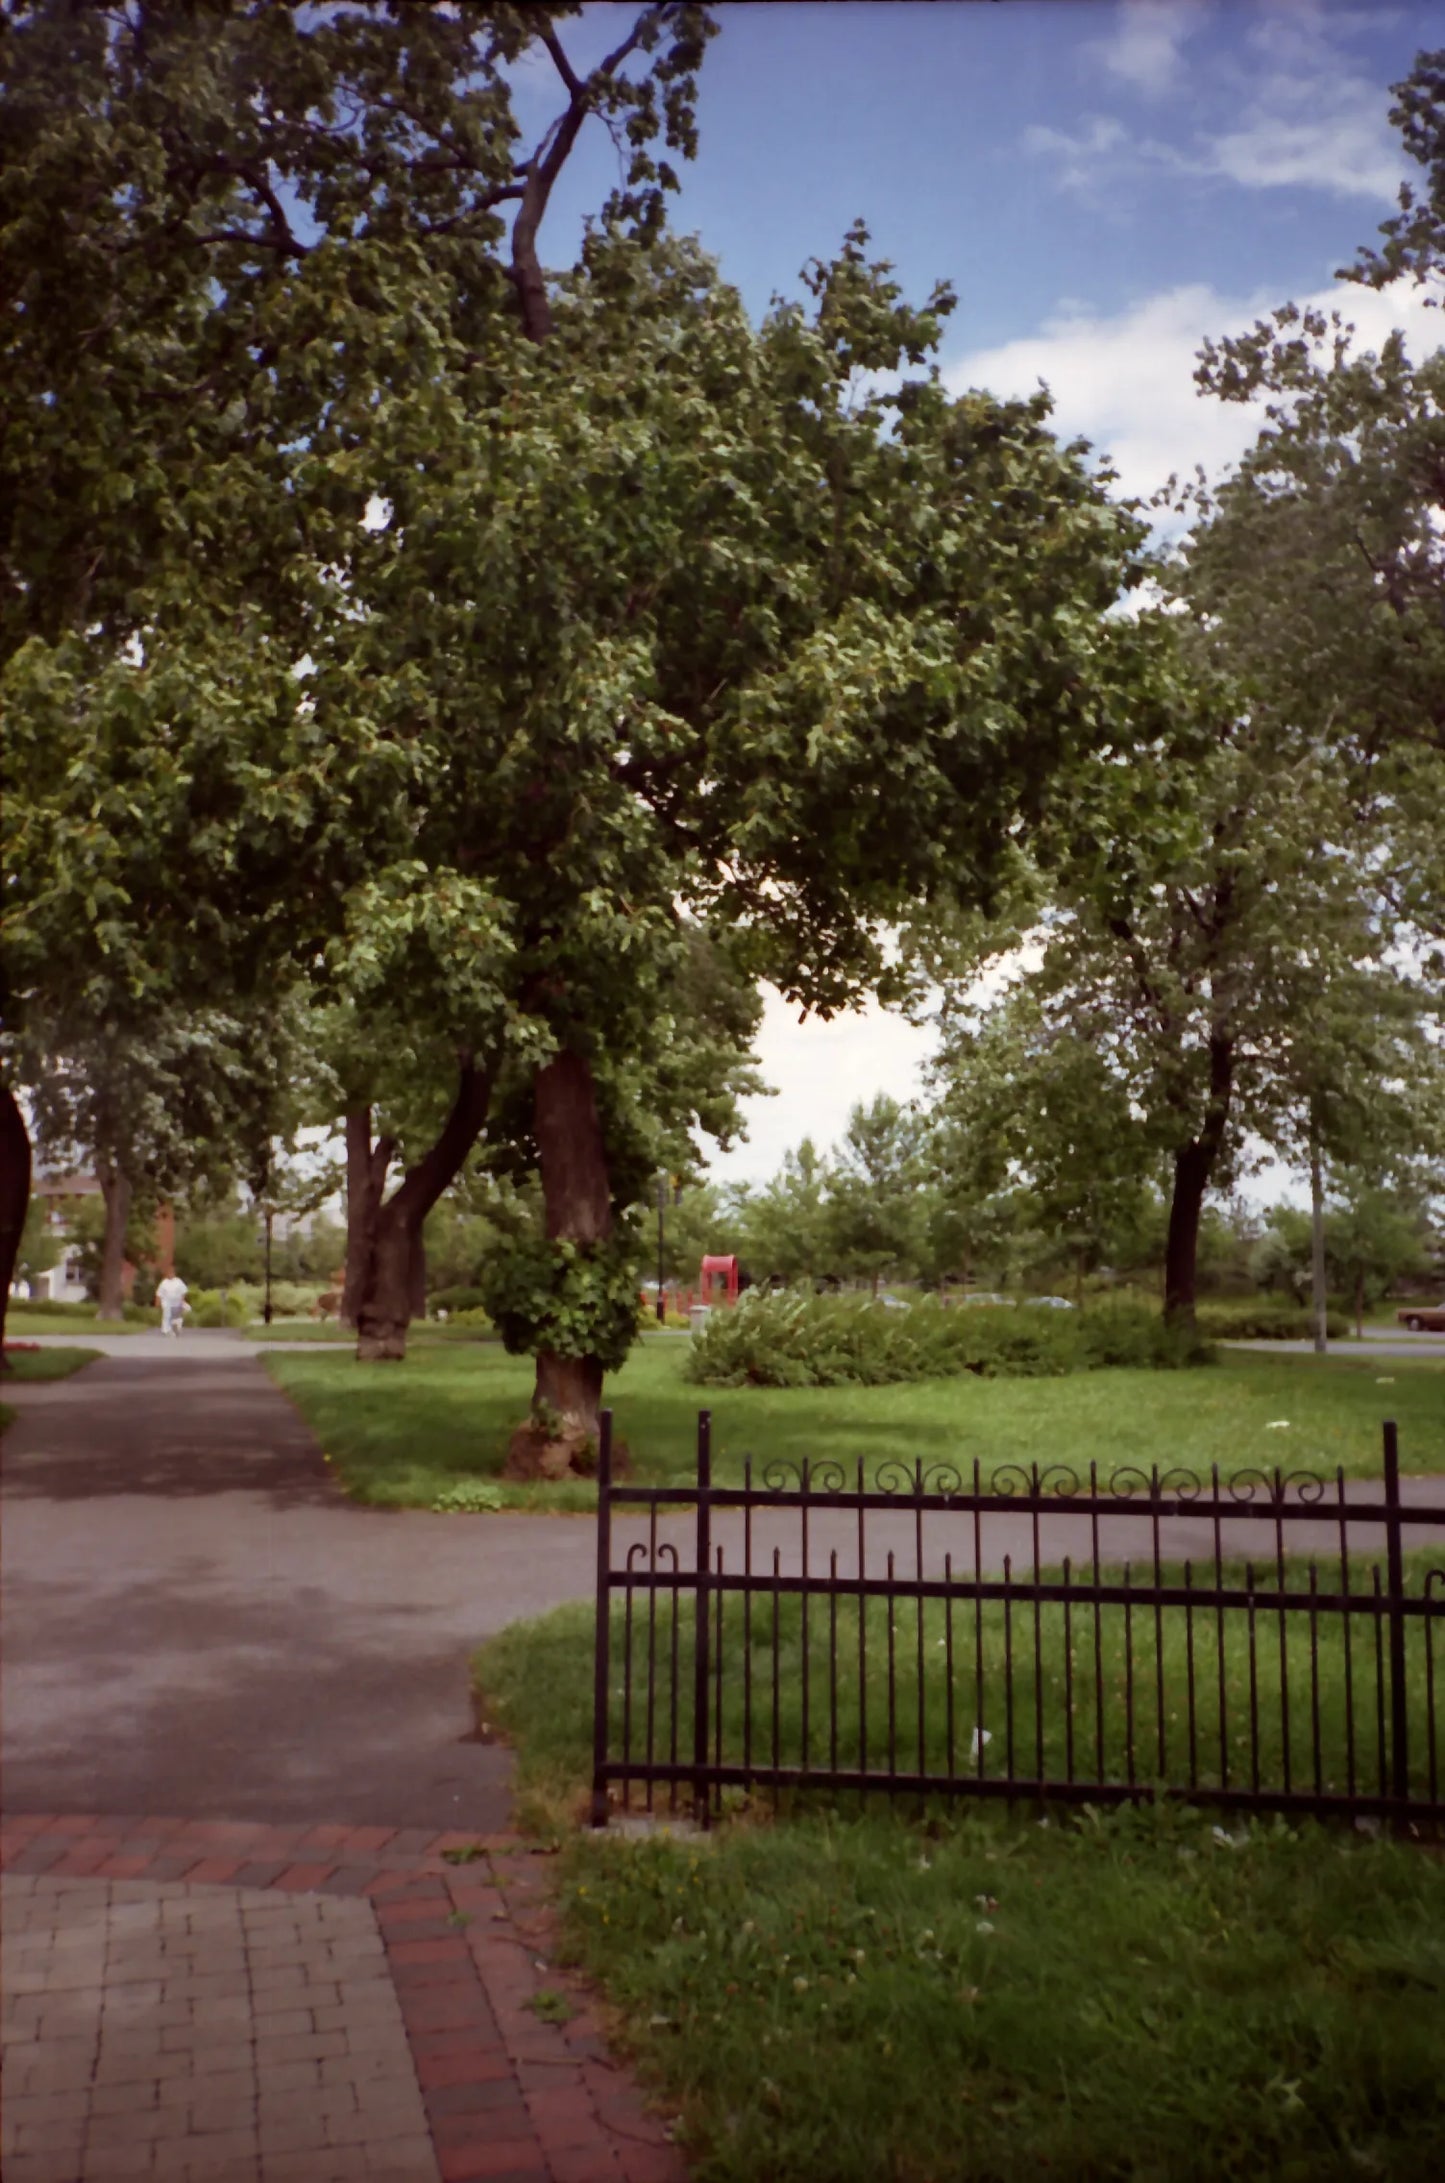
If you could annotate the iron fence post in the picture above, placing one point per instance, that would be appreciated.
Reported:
(1395, 1574)
(602, 1665)
(701, 1799)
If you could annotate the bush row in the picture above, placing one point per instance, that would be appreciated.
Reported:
(790, 1340)
(1265, 1319)
(139, 1314)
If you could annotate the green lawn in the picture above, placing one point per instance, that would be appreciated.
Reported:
(1150, 1994)
(401, 1434)
(327, 1330)
(47, 1364)
(39, 1364)
(20, 1326)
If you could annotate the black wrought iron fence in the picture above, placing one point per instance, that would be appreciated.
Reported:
(1264, 1639)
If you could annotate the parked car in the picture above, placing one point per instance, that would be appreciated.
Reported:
(1423, 1318)
(985, 1296)
(1055, 1303)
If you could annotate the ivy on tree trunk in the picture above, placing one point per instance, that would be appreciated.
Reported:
(572, 1158)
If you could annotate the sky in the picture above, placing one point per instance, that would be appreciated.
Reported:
(1103, 182)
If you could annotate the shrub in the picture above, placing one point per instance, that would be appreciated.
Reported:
(1265, 1319)
(454, 1300)
(289, 1299)
(794, 1340)
(210, 1309)
(23, 1304)
(470, 1496)
(473, 1316)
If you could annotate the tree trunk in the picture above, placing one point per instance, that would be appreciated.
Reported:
(1193, 1166)
(1181, 1250)
(1319, 1295)
(15, 1168)
(385, 1310)
(366, 1166)
(572, 1386)
(115, 1189)
(1359, 1304)
(572, 1156)
(390, 1269)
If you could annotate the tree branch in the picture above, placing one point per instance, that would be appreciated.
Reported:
(564, 67)
(548, 161)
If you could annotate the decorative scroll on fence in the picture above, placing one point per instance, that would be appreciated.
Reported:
(1272, 1640)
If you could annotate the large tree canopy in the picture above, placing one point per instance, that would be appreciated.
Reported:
(387, 607)
(217, 220)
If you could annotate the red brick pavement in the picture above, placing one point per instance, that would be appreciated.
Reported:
(509, 2098)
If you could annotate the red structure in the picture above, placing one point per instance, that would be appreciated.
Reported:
(712, 1268)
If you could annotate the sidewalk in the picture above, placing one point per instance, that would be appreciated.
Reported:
(240, 2003)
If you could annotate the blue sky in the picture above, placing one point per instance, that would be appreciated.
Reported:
(1104, 182)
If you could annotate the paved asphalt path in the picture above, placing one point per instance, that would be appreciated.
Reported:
(195, 1620)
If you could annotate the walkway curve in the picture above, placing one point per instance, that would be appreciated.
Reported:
(196, 1620)
(288, 1982)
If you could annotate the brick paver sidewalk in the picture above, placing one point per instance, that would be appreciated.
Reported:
(237, 2003)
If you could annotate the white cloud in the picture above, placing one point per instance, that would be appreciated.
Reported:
(1079, 157)
(1126, 382)
(1310, 116)
(1144, 45)
(1297, 110)
(820, 1071)
(1348, 153)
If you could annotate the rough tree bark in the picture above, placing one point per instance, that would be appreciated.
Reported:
(115, 1190)
(560, 1438)
(1319, 1292)
(15, 1169)
(366, 1166)
(394, 1259)
(573, 1154)
(1193, 1166)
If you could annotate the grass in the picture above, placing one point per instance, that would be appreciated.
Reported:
(1085, 1691)
(401, 1435)
(47, 1364)
(1139, 1994)
(327, 1330)
(19, 1326)
(39, 1364)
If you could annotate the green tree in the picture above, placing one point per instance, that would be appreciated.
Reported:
(1375, 1236)
(1026, 1093)
(1327, 554)
(665, 611)
(40, 1247)
(784, 1223)
(873, 1205)
(152, 1115)
(228, 231)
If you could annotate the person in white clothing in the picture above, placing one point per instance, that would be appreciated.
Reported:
(171, 1296)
